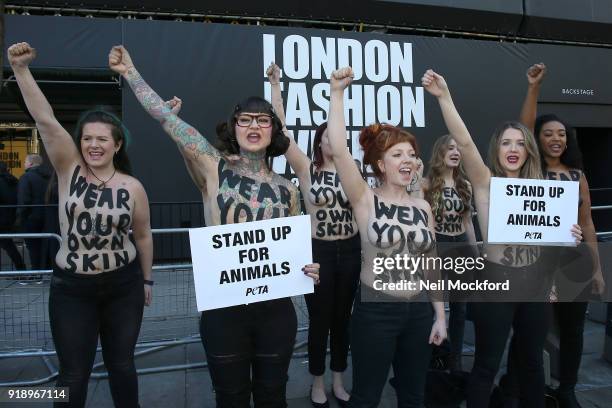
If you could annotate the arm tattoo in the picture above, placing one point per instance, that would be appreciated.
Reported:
(187, 137)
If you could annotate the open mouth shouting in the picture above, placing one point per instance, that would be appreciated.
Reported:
(512, 158)
(556, 148)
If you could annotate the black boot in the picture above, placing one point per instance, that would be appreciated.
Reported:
(566, 398)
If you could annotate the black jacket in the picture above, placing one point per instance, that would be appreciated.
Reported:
(8, 196)
(31, 190)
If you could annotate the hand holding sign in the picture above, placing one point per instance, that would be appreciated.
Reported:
(312, 271)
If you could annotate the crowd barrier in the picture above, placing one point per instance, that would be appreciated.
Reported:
(171, 320)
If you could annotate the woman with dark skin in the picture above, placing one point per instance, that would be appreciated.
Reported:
(450, 196)
(512, 153)
(336, 247)
(562, 160)
(257, 338)
(395, 327)
(99, 274)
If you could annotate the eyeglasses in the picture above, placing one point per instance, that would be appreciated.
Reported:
(264, 121)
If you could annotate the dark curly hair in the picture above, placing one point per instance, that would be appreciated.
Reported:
(317, 153)
(118, 131)
(226, 136)
(572, 156)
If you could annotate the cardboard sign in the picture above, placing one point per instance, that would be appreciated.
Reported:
(532, 212)
(250, 262)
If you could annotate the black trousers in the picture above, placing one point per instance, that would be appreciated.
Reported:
(492, 324)
(329, 307)
(456, 318)
(9, 246)
(385, 334)
(81, 308)
(570, 317)
(257, 338)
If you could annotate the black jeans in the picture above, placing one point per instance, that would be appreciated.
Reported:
(82, 307)
(456, 319)
(258, 337)
(571, 327)
(492, 324)
(329, 307)
(385, 334)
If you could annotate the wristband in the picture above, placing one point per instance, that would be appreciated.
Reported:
(148, 282)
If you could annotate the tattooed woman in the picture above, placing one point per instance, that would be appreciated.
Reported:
(258, 336)
(387, 330)
(335, 246)
(562, 160)
(512, 153)
(97, 284)
(450, 196)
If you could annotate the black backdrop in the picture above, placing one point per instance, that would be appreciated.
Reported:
(212, 66)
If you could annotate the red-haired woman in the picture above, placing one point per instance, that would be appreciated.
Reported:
(335, 246)
(391, 324)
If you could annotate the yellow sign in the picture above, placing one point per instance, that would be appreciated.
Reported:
(13, 153)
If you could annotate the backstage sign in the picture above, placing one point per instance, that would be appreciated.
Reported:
(536, 212)
(250, 262)
(383, 88)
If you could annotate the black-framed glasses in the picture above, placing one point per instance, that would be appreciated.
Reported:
(244, 120)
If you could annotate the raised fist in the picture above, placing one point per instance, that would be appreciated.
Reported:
(273, 73)
(174, 105)
(341, 78)
(434, 83)
(21, 54)
(119, 59)
(535, 74)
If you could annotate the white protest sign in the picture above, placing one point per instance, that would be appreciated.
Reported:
(250, 262)
(532, 212)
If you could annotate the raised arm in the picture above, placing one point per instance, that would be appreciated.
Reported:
(535, 76)
(476, 170)
(58, 143)
(299, 162)
(585, 220)
(192, 144)
(353, 184)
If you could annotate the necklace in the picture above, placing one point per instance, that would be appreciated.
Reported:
(102, 184)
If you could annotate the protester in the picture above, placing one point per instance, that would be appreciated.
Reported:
(388, 327)
(257, 337)
(512, 153)
(449, 193)
(101, 279)
(336, 247)
(562, 160)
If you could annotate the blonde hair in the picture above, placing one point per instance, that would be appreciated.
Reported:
(437, 166)
(532, 167)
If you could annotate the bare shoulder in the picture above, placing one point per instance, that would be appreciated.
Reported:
(282, 181)
(132, 184)
(422, 203)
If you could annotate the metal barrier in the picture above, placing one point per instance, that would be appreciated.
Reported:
(171, 320)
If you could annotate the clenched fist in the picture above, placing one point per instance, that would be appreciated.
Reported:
(434, 83)
(174, 105)
(341, 78)
(119, 59)
(535, 74)
(273, 73)
(21, 54)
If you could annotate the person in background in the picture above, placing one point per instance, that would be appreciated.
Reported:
(31, 212)
(8, 197)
